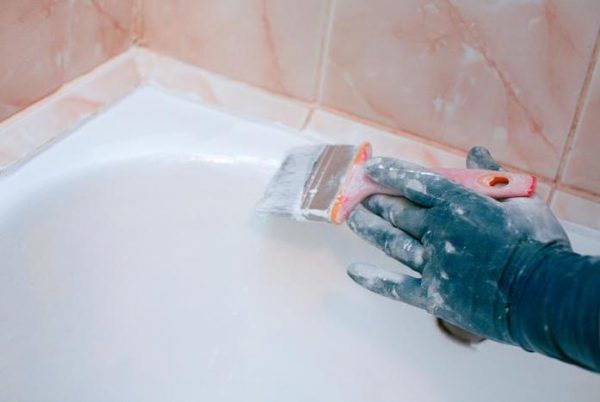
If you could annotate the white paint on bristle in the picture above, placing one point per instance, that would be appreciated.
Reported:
(283, 196)
(321, 213)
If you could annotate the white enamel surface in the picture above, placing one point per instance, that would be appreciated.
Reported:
(134, 269)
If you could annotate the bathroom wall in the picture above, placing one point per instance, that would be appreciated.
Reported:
(46, 43)
(504, 74)
(507, 74)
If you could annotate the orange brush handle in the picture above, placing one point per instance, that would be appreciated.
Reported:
(358, 186)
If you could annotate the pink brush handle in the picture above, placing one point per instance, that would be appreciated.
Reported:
(494, 184)
(488, 182)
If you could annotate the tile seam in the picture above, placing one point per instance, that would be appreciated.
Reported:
(325, 52)
(577, 116)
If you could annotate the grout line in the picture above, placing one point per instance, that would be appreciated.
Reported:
(68, 44)
(578, 192)
(309, 116)
(138, 61)
(325, 52)
(577, 116)
(138, 25)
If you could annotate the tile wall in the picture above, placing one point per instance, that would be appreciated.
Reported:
(46, 43)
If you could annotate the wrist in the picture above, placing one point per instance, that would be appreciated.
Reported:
(525, 284)
(554, 304)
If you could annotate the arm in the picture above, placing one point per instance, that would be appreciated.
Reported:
(556, 306)
(502, 270)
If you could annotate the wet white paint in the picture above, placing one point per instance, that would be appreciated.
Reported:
(133, 268)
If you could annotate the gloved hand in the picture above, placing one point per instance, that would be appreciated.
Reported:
(470, 250)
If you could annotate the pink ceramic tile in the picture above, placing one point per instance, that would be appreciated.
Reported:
(98, 30)
(504, 74)
(274, 44)
(186, 80)
(45, 43)
(32, 38)
(583, 165)
(573, 208)
(24, 134)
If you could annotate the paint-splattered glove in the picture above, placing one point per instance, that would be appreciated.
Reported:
(501, 270)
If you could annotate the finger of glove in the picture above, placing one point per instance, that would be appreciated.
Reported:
(392, 241)
(400, 212)
(394, 285)
(480, 158)
(416, 183)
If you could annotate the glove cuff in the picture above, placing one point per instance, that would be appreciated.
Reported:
(553, 303)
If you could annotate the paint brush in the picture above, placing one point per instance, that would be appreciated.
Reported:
(326, 182)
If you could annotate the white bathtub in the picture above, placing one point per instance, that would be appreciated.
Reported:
(134, 269)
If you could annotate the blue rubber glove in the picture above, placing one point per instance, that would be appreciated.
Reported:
(492, 268)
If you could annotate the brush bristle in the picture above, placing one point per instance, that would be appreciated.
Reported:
(283, 196)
